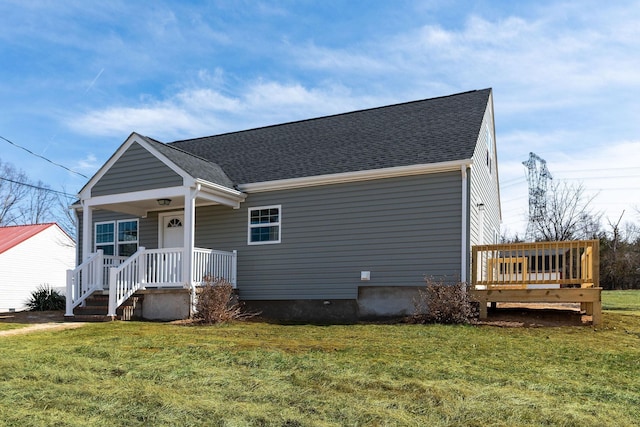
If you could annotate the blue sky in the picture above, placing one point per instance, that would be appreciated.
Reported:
(77, 77)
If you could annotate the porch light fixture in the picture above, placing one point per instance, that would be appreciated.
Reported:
(164, 202)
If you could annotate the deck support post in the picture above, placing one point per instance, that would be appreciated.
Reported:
(590, 298)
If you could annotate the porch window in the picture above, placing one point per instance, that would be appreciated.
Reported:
(264, 225)
(117, 237)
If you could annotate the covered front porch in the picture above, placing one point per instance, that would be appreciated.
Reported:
(145, 270)
(144, 241)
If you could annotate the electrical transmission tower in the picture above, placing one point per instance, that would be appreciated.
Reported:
(537, 177)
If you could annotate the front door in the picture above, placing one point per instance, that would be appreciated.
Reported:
(172, 231)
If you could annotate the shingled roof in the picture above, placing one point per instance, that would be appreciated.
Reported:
(194, 165)
(420, 132)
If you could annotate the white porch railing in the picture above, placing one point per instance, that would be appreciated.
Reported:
(164, 268)
(146, 268)
(84, 280)
(110, 261)
(125, 280)
(210, 263)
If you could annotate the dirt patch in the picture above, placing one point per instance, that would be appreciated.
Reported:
(33, 317)
(40, 327)
(37, 320)
(507, 315)
(514, 315)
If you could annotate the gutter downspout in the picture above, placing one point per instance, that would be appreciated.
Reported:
(464, 252)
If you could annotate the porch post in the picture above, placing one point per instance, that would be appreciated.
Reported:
(87, 220)
(189, 235)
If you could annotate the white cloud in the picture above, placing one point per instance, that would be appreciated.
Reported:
(559, 75)
(202, 110)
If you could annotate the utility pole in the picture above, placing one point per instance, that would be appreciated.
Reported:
(537, 177)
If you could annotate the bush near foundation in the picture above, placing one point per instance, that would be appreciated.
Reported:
(216, 303)
(43, 298)
(444, 303)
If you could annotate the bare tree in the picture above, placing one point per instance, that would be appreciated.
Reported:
(65, 216)
(12, 192)
(620, 256)
(568, 215)
(25, 202)
(37, 205)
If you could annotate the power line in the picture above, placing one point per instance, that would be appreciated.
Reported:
(43, 158)
(38, 188)
(598, 170)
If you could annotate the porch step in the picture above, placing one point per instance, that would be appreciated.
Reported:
(89, 318)
(97, 306)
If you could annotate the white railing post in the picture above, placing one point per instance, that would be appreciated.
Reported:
(142, 267)
(99, 267)
(70, 298)
(234, 267)
(113, 275)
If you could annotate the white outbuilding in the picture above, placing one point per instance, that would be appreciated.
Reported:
(31, 256)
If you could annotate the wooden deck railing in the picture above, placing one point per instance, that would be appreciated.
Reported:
(536, 265)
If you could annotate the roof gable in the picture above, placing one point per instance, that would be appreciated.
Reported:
(184, 165)
(436, 130)
(14, 235)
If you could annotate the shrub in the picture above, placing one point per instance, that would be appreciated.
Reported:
(43, 298)
(216, 303)
(444, 303)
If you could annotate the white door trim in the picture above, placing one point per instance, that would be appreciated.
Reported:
(161, 217)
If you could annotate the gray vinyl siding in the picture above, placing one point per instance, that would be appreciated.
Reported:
(400, 229)
(136, 170)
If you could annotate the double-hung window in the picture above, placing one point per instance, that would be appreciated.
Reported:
(489, 138)
(117, 237)
(264, 225)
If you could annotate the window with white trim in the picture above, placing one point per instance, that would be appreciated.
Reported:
(264, 225)
(117, 237)
(489, 139)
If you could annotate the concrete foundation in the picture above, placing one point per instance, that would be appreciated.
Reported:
(166, 304)
(312, 311)
(386, 301)
(374, 302)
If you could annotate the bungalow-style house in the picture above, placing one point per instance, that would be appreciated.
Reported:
(32, 256)
(335, 218)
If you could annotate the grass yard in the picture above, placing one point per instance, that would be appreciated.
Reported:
(8, 326)
(622, 302)
(259, 374)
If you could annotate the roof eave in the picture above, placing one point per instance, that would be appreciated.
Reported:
(346, 177)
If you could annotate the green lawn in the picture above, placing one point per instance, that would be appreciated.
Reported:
(5, 326)
(259, 374)
(626, 302)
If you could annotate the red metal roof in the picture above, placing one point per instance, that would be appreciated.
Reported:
(14, 235)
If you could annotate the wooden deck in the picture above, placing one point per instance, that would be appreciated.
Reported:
(541, 272)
